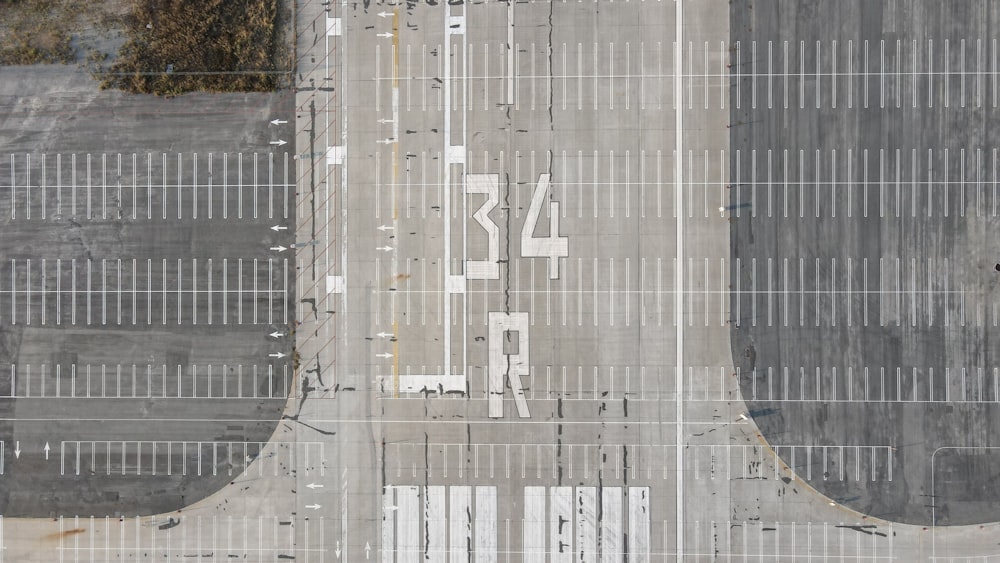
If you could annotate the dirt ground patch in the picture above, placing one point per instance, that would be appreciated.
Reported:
(54, 31)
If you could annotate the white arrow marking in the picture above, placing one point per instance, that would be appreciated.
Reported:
(279, 248)
(46, 450)
(313, 506)
(386, 248)
(17, 449)
(276, 334)
(279, 142)
(384, 14)
(368, 549)
(279, 228)
(278, 355)
(337, 551)
(384, 228)
(384, 334)
(314, 486)
(385, 141)
(386, 34)
(384, 121)
(278, 122)
(385, 355)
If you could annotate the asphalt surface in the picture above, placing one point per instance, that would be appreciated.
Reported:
(138, 292)
(866, 285)
(468, 387)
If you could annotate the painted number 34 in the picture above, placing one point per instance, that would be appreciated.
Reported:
(552, 246)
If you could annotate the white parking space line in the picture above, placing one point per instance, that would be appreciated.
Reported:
(239, 185)
(960, 80)
(177, 187)
(130, 457)
(177, 285)
(120, 200)
(152, 379)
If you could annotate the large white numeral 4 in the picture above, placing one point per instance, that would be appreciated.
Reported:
(552, 246)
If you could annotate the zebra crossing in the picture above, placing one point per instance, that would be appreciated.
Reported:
(460, 523)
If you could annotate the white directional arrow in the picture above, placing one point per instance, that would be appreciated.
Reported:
(385, 141)
(368, 550)
(314, 486)
(17, 449)
(386, 34)
(384, 334)
(386, 248)
(279, 248)
(46, 450)
(385, 355)
(313, 506)
(278, 355)
(279, 142)
(337, 551)
(278, 122)
(384, 14)
(384, 228)
(384, 120)
(279, 228)
(276, 334)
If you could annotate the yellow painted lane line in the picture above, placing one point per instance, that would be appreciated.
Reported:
(395, 48)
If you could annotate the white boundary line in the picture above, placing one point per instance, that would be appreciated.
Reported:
(341, 70)
(679, 274)
(446, 179)
(465, 193)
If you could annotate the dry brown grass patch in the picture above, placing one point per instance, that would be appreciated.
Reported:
(178, 46)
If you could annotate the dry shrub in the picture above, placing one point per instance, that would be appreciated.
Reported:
(208, 45)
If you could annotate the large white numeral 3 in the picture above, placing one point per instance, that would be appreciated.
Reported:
(488, 185)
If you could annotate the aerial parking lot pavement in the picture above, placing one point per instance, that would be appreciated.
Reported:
(512, 281)
(139, 291)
